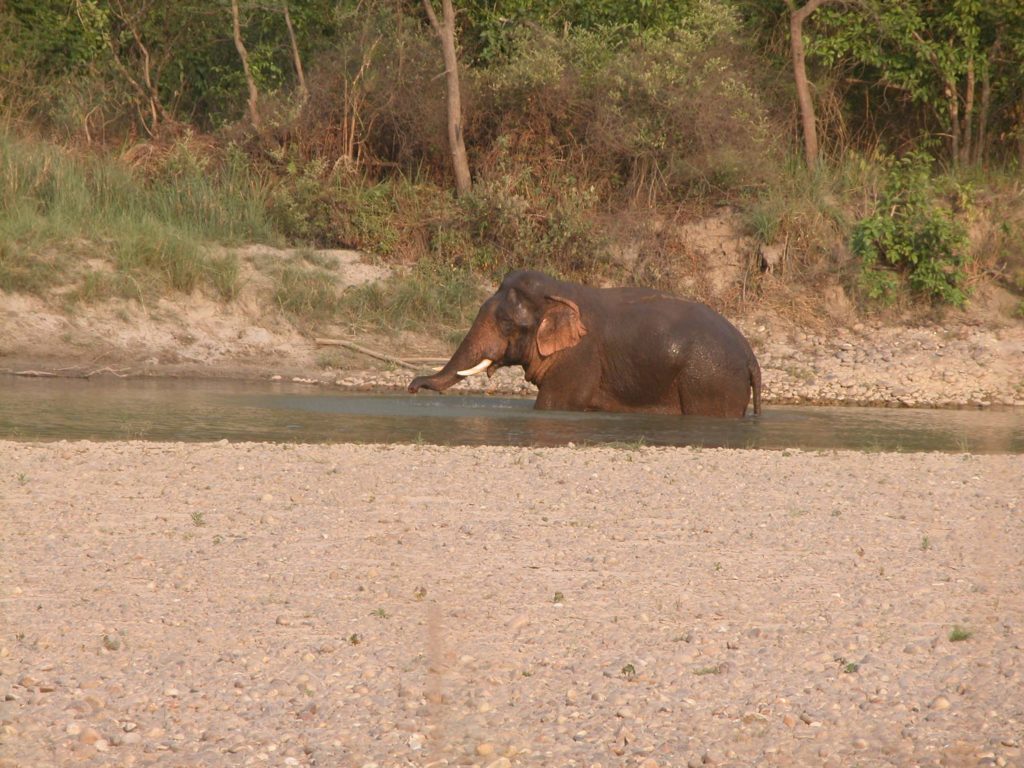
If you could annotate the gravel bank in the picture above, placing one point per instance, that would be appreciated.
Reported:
(249, 604)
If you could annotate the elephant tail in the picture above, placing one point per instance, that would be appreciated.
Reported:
(755, 383)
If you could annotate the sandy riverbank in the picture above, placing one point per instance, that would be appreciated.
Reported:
(216, 605)
(959, 359)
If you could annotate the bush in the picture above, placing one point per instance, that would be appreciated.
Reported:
(153, 215)
(520, 221)
(658, 120)
(434, 296)
(308, 294)
(910, 237)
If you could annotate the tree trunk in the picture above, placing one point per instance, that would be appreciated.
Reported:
(953, 105)
(144, 86)
(456, 144)
(986, 101)
(803, 88)
(254, 115)
(1019, 131)
(967, 146)
(299, 74)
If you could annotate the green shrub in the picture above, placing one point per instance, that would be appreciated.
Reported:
(910, 233)
(664, 118)
(21, 272)
(154, 221)
(313, 205)
(520, 221)
(308, 294)
(434, 296)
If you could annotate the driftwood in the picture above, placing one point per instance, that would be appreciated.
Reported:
(364, 351)
(73, 372)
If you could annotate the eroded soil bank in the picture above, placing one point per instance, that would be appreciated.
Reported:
(251, 604)
(962, 359)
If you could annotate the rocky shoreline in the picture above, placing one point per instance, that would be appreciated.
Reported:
(869, 365)
(956, 359)
(969, 361)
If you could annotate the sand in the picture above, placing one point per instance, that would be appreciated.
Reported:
(340, 605)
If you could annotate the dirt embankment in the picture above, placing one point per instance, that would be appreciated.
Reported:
(974, 359)
(224, 605)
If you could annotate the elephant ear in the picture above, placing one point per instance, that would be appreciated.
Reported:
(560, 327)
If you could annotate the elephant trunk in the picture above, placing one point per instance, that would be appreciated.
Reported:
(482, 347)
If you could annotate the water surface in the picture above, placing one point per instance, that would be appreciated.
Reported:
(167, 409)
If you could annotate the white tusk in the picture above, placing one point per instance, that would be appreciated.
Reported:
(480, 367)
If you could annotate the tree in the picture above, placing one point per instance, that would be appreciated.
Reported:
(935, 56)
(456, 142)
(135, 62)
(803, 88)
(300, 75)
(243, 54)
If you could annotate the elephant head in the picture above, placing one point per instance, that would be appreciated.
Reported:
(526, 322)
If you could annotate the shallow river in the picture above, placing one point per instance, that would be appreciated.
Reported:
(163, 409)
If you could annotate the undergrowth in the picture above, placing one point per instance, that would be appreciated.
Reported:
(910, 237)
(114, 230)
(434, 296)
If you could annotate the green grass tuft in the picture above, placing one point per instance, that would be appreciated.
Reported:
(59, 209)
(958, 634)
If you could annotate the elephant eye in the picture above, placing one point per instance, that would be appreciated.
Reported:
(505, 324)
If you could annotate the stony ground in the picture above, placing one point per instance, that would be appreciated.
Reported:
(229, 605)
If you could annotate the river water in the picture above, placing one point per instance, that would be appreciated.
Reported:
(167, 409)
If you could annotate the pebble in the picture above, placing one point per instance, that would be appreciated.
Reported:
(89, 736)
(281, 677)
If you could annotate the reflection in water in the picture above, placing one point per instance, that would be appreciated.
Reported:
(189, 410)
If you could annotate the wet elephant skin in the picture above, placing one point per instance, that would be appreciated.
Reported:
(608, 349)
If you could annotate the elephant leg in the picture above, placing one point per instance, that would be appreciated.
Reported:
(714, 394)
(571, 387)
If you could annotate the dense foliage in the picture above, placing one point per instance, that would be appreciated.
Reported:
(578, 113)
(909, 232)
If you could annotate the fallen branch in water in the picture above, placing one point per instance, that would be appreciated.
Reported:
(108, 369)
(74, 372)
(363, 350)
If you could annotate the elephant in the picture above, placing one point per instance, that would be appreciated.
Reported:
(632, 350)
